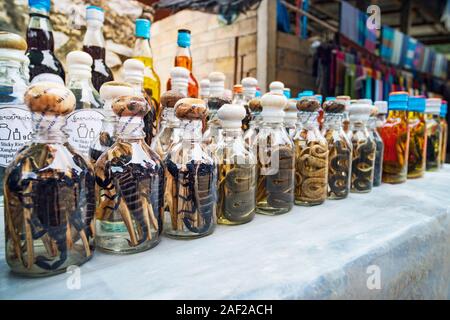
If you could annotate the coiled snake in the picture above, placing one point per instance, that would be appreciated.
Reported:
(362, 165)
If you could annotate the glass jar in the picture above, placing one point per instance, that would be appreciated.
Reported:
(363, 149)
(237, 170)
(191, 177)
(84, 124)
(378, 165)
(109, 91)
(340, 152)
(444, 126)
(418, 137)
(130, 185)
(311, 156)
(49, 193)
(434, 134)
(15, 118)
(275, 158)
(395, 135)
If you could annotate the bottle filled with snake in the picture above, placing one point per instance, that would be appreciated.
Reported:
(363, 149)
(434, 133)
(130, 184)
(340, 151)
(49, 192)
(275, 158)
(237, 170)
(372, 126)
(191, 177)
(418, 137)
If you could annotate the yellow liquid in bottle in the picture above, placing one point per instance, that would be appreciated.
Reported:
(152, 84)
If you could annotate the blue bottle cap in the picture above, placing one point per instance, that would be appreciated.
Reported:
(40, 4)
(306, 93)
(95, 13)
(142, 28)
(330, 98)
(416, 104)
(319, 97)
(287, 93)
(444, 108)
(398, 100)
(184, 38)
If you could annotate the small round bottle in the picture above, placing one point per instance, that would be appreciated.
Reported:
(170, 131)
(237, 170)
(434, 133)
(363, 149)
(418, 137)
(340, 150)
(49, 192)
(130, 185)
(395, 135)
(444, 126)
(311, 155)
(191, 177)
(109, 91)
(372, 125)
(275, 157)
(84, 124)
(290, 117)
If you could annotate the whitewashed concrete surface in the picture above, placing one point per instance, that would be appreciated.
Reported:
(400, 233)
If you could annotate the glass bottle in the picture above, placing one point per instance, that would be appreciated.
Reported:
(143, 52)
(237, 170)
(311, 156)
(170, 131)
(444, 126)
(49, 192)
(44, 66)
(290, 117)
(130, 184)
(275, 158)
(183, 59)
(372, 126)
(363, 149)
(418, 137)
(94, 45)
(83, 124)
(434, 135)
(191, 177)
(133, 70)
(215, 101)
(249, 85)
(346, 121)
(340, 151)
(15, 118)
(254, 106)
(204, 90)
(109, 91)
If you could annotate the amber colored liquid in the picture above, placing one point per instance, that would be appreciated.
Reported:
(417, 145)
(395, 135)
(186, 62)
(100, 71)
(444, 127)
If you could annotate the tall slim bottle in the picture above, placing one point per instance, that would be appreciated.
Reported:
(434, 133)
(15, 118)
(44, 66)
(183, 59)
(418, 137)
(85, 122)
(143, 52)
(94, 45)
(444, 125)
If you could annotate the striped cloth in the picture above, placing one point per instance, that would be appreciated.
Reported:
(387, 43)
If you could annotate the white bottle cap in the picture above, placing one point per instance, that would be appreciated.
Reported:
(249, 85)
(433, 106)
(204, 88)
(277, 87)
(382, 107)
(231, 116)
(111, 90)
(272, 107)
(360, 112)
(216, 84)
(291, 110)
(365, 101)
(180, 80)
(95, 13)
(79, 63)
(133, 70)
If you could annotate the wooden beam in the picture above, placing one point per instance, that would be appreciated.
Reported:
(406, 17)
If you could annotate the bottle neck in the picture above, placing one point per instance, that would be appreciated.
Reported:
(309, 120)
(334, 121)
(48, 128)
(94, 34)
(130, 128)
(170, 118)
(79, 79)
(359, 125)
(192, 131)
(40, 31)
(183, 58)
(12, 76)
(238, 98)
(142, 48)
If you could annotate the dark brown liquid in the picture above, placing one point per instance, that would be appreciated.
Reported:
(100, 71)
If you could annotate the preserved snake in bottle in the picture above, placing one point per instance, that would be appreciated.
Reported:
(49, 192)
(311, 153)
(340, 151)
(237, 170)
(373, 126)
(275, 157)
(130, 184)
(434, 133)
(191, 177)
(418, 137)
